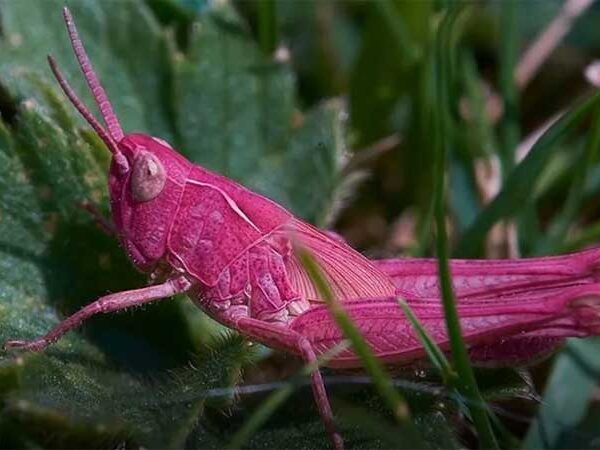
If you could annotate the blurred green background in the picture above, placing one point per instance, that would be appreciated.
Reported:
(329, 107)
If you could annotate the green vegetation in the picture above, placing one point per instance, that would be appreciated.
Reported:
(393, 122)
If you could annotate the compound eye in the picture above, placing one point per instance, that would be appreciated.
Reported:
(147, 178)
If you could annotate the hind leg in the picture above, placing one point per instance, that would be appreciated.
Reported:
(284, 339)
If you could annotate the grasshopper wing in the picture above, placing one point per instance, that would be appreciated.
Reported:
(474, 279)
(351, 276)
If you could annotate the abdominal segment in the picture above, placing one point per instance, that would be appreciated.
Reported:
(515, 330)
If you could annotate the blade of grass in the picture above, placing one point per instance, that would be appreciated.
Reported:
(409, 51)
(469, 188)
(276, 398)
(509, 130)
(478, 139)
(517, 186)
(425, 105)
(509, 124)
(381, 380)
(426, 218)
(560, 225)
(450, 377)
(267, 26)
(467, 385)
(591, 234)
(436, 355)
(480, 121)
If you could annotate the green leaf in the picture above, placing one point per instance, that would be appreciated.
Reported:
(236, 113)
(82, 398)
(570, 389)
(128, 49)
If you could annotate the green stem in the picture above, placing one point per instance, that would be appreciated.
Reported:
(425, 105)
(435, 353)
(409, 51)
(267, 26)
(509, 126)
(467, 384)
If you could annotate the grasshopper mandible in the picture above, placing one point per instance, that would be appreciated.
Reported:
(230, 250)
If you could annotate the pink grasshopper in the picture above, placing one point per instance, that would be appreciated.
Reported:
(229, 249)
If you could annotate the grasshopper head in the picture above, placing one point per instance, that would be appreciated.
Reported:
(146, 174)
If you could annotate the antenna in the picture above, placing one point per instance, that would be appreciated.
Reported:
(87, 115)
(110, 118)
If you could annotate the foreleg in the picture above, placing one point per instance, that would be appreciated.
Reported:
(284, 339)
(106, 304)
